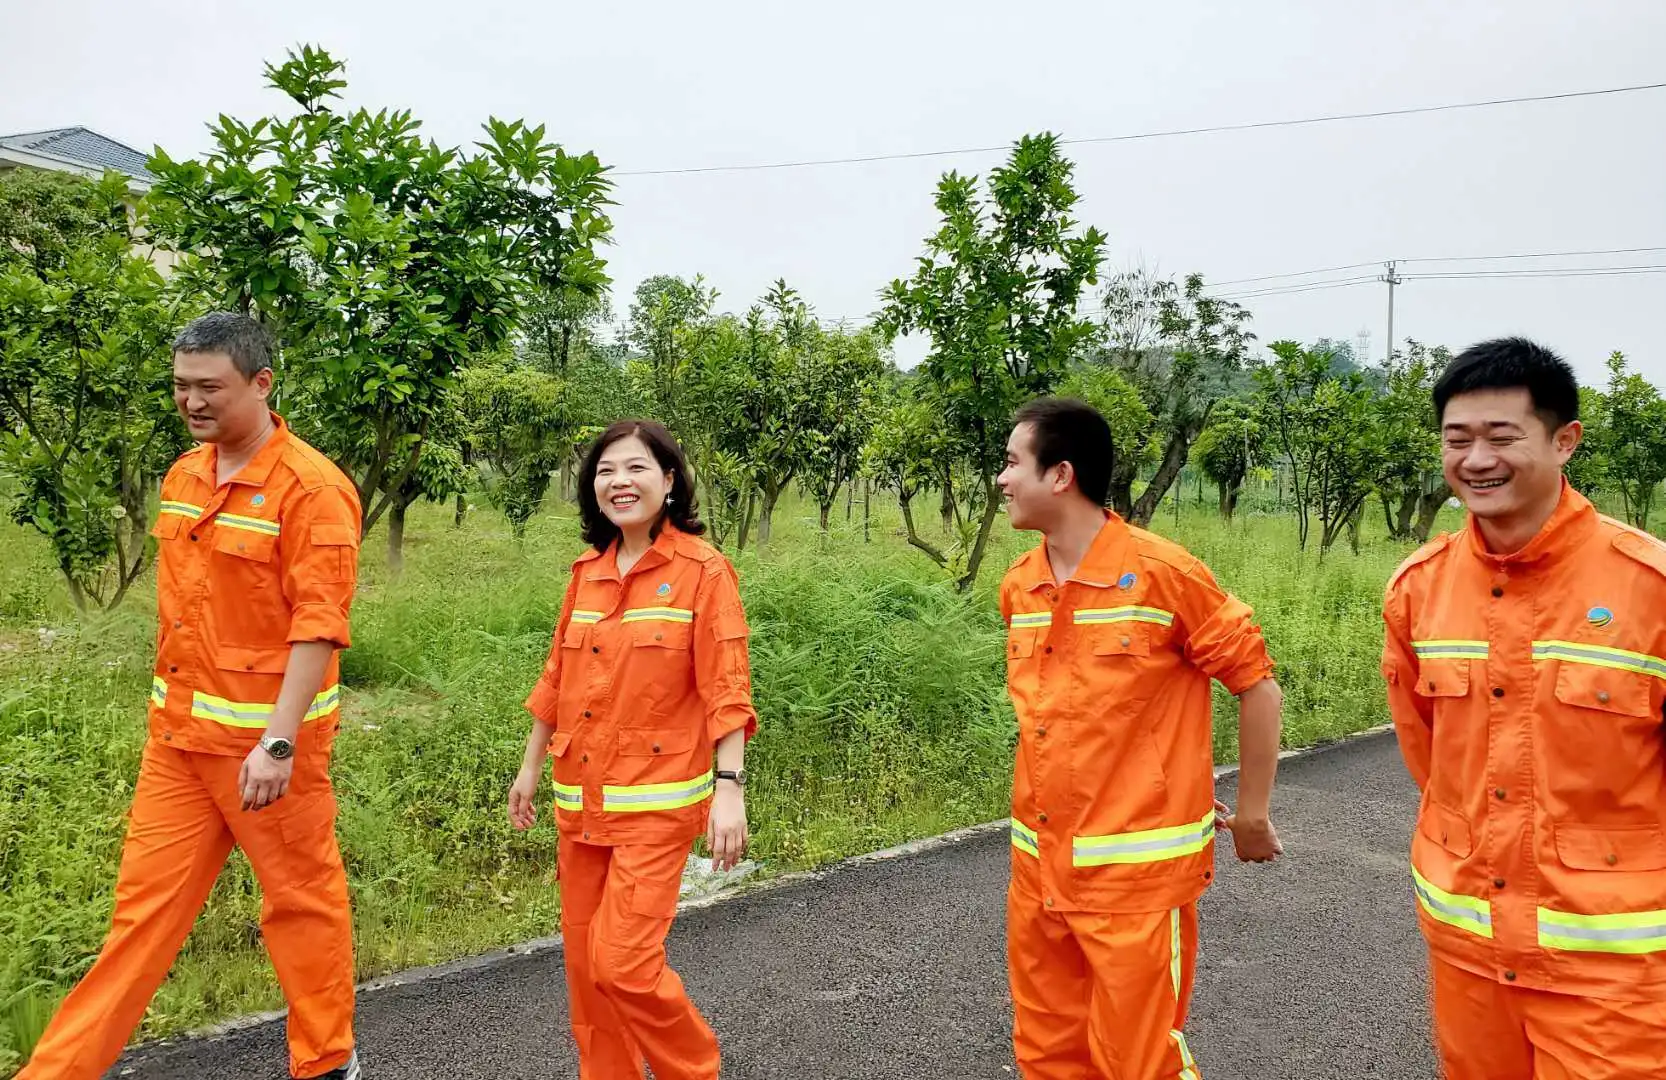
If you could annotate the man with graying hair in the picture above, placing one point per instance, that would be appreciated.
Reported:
(258, 537)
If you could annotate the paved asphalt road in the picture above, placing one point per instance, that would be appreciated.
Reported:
(1310, 969)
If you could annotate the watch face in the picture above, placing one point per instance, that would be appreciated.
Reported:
(278, 748)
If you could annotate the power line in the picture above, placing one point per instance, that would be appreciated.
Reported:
(1509, 275)
(1540, 255)
(1171, 133)
(1314, 286)
(1299, 273)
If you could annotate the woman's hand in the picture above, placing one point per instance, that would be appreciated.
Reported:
(523, 814)
(726, 829)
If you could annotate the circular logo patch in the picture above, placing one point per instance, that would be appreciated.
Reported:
(1599, 617)
(1126, 582)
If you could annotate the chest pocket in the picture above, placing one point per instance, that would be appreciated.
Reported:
(1587, 686)
(1021, 643)
(168, 526)
(1118, 639)
(662, 635)
(1443, 678)
(242, 544)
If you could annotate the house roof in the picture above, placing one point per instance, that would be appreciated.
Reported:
(82, 147)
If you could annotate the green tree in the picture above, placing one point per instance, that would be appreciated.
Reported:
(393, 259)
(1587, 470)
(560, 326)
(843, 383)
(1634, 439)
(997, 290)
(519, 430)
(904, 447)
(1229, 448)
(1183, 351)
(670, 319)
(1323, 425)
(86, 420)
(1410, 484)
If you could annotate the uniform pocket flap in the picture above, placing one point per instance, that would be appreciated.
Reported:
(656, 899)
(1443, 678)
(1606, 689)
(661, 635)
(559, 743)
(269, 661)
(1021, 643)
(1638, 847)
(1115, 640)
(334, 534)
(654, 742)
(168, 526)
(1448, 828)
(257, 547)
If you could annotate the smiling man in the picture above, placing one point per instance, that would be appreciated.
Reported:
(1526, 664)
(1115, 635)
(258, 539)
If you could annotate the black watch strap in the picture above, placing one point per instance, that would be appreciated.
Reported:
(737, 777)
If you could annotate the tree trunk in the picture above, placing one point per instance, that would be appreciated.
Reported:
(1353, 530)
(914, 539)
(867, 510)
(1174, 458)
(746, 519)
(766, 520)
(461, 511)
(1429, 509)
(991, 507)
(946, 508)
(1122, 486)
(826, 512)
(850, 499)
(396, 538)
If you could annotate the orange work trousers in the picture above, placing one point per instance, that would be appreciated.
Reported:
(1099, 996)
(1488, 1030)
(626, 1003)
(187, 813)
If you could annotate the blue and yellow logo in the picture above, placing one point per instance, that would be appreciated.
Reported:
(1126, 582)
(1599, 617)
(664, 590)
(258, 500)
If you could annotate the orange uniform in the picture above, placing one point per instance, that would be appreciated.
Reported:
(1113, 818)
(244, 570)
(646, 673)
(1527, 691)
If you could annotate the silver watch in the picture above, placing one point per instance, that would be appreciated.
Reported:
(280, 749)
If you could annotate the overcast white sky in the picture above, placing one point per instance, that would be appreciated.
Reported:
(659, 85)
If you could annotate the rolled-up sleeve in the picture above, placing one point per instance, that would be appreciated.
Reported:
(1223, 639)
(541, 702)
(320, 553)
(722, 662)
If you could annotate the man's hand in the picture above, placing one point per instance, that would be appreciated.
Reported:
(726, 830)
(1254, 839)
(523, 810)
(264, 779)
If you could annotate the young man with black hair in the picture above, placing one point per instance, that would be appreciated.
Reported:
(1525, 657)
(1114, 636)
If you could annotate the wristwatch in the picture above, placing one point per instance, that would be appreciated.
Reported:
(280, 749)
(739, 777)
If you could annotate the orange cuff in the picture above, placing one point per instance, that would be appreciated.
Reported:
(730, 719)
(319, 622)
(541, 702)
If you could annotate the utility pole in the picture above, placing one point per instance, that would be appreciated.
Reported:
(1393, 279)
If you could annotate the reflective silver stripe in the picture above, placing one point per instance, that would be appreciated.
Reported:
(569, 797)
(247, 524)
(1600, 656)
(1630, 933)
(1450, 650)
(1469, 913)
(1151, 845)
(629, 799)
(1028, 619)
(1024, 838)
(658, 614)
(158, 691)
(256, 714)
(181, 509)
(1093, 616)
(586, 618)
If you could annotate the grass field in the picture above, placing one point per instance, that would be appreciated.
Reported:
(880, 691)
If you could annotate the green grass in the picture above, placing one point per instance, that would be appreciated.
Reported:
(880, 690)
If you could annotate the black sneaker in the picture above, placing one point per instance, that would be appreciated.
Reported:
(349, 1071)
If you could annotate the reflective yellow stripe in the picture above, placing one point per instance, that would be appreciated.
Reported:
(1188, 1064)
(1024, 839)
(1454, 909)
(1574, 652)
(585, 618)
(658, 614)
(1027, 619)
(1174, 950)
(248, 714)
(158, 691)
(182, 509)
(1152, 845)
(569, 797)
(1633, 933)
(1090, 616)
(1450, 650)
(637, 798)
(247, 524)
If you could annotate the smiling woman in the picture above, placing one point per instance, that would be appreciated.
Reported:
(647, 678)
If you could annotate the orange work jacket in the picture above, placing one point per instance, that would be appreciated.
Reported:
(1527, 693)
(244, 570)
(1113, 797)
(646, 673)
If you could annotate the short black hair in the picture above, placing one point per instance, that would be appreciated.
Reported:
(1508, 363)
(684, 509)
(1065, 429)
(238, 336)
